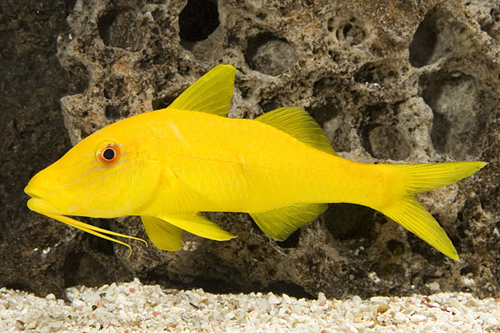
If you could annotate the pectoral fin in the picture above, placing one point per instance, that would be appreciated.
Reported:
(280, 223)
(164, 235)
(181, 197)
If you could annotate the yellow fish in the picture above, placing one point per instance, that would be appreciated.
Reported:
(168, 165)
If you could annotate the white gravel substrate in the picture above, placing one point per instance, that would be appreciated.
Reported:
(133, 307)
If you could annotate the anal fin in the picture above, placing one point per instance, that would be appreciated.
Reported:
(282, 222)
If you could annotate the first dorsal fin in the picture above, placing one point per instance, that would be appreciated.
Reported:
(212, 92)
(299, 124)
(280, 223)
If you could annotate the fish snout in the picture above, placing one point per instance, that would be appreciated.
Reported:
(35, 191)
(41, 198)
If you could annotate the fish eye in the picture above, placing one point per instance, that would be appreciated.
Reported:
(108, 154)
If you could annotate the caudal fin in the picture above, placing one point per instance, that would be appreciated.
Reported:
(408, 212)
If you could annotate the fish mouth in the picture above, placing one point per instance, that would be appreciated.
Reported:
(41, 206)
(38, 201)
(34, 191)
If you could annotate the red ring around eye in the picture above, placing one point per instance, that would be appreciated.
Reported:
(109, 154)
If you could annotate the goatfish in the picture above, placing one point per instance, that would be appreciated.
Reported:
(167, 166)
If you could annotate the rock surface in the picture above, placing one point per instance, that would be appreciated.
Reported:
(395, 82)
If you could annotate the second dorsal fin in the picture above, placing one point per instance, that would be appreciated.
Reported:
(299, 124)
(211, 93)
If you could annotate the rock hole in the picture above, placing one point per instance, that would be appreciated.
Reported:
(396, 247)
(120, 28)
(261, 16)
(289, 288)
(426, 279)
(330, 25)
(467, 270)
(233, 39)
(423, 45)
(162, 103)
(269, 54)
(291, 242)
(350, 34)
(457, 125)
(334, 56)
(19, 286)
(327, 86)
(351, 224)
(114, 89)
(385, 142)
(115, 112)
(429, 253)
(269, 106)
(215, 285)
(373, 73)
(380, 135)
(198, 20)
(245, 91)
(325, 112)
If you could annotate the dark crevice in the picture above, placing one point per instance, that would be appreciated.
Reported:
(19, 286)
(350, 223)
(291, 242)
(430, 254)
(374, 73)
(395, 246)
(289, 288)
(198, 20)
(115, 112)
(351, 34)
(327, 111)
(424, 41)
(162, 103)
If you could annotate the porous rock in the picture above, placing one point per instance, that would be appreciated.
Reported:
(390, 82)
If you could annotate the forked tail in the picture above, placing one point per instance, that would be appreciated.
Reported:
(408, 212)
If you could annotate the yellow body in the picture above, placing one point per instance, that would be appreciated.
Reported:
(232, 166)
(189, 158)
